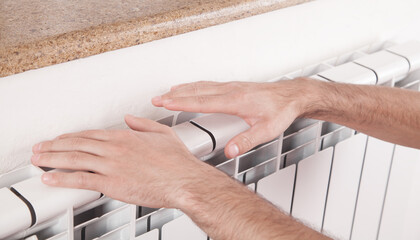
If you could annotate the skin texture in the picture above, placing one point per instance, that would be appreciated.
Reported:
(129, 165)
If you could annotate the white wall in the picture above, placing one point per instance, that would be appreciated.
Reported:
(97, 91)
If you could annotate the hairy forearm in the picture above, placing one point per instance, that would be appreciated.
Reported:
(226, 209)
(390, 114)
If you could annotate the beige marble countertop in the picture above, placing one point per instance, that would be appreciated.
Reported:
(39, 33)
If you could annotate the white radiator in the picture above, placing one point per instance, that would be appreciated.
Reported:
(338, 181)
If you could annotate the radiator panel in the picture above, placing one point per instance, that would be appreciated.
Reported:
(342, 193)
(271, 169)
(372, 189)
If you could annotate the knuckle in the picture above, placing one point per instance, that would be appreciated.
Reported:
(81, 179)
(89, 133)
(73, 158)
(195, 87)
(247, 142)
(45, 157)
(75, 142)
(85, 133)
(201, 100)
(57, 178)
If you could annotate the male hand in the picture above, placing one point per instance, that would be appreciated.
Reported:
(147, 165)
(269, 108)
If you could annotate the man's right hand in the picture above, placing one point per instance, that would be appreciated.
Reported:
(269, 108)
(390, 114)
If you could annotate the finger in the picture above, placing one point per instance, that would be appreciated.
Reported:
(201, 83)
(197, 88)
(191, 89)
(245, 141)
(157, 101)
(73, 144)
(70, 160)
(81, 180)
(203, 104)
(144, 124)
(100, 134)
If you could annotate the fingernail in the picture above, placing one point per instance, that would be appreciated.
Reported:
(167, 101)
(47, 178)
(35, 158)
(233, 150)
(157, 99)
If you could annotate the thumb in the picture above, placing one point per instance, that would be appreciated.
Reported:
(249, 139)
(143, 124)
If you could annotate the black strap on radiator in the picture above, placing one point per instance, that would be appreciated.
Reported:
(28, 204)
(208, 132)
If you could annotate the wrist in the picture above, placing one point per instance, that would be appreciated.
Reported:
(208, 186)
(314, 97)
(195, 185)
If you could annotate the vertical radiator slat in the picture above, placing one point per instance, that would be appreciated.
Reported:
(152, 235)
(278, 187)
(182, 228)
(344, 184)
(312, 178)
(372, 189)
(401, 210)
